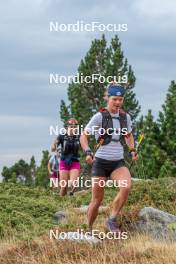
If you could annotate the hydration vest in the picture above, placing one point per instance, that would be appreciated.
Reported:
(69, 145)
(107, 123)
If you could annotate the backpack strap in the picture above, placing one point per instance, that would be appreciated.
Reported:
(123, 124)
(108, 123)
(60, 140)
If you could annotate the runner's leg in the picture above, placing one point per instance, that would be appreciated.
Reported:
(64, 176)
(97, 197)
(74, 176)
(123, 177)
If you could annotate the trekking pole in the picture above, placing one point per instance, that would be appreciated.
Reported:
(139, 143)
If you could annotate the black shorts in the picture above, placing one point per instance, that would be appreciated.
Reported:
(104, 168)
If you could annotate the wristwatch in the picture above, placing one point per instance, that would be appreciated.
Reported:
(132, 150)
(88, 152)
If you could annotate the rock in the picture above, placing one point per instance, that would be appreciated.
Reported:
(156, 215)
(110, 182)
(58, 216)
(83, 209)
(138, 179)
(159, 224)
(77, 237)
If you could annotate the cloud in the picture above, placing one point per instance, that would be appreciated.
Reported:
(28, 129)
(24, 136)
(29, 52)
(155, 9)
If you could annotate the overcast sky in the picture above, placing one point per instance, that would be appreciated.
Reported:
(29, 52)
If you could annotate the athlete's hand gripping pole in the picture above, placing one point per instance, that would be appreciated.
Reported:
(135, 151)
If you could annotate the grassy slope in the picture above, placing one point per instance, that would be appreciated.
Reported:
(26, 218)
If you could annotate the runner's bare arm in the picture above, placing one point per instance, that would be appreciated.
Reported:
(55, 144)
(129, 139)
(84, 140)
(130, 143)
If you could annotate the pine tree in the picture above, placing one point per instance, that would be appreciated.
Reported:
(118, 66)
(6, 174)
(32, 166)
(86, 98)
(21, 170)
(151, 156)
(167, 121)
(42, 174)
(14, 178)
(64, 112)
(168, 169)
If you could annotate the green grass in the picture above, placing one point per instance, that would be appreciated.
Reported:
(27, 212)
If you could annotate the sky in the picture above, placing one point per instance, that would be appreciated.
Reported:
(29, 104)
